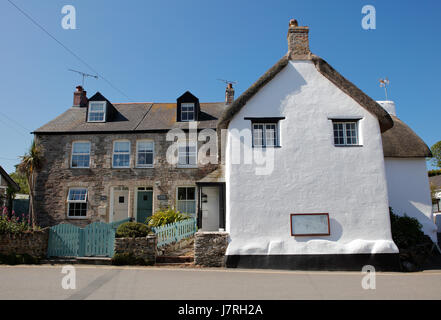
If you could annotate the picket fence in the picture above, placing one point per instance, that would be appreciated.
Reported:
(174, 232)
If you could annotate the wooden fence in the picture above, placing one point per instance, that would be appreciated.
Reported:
(175, 232)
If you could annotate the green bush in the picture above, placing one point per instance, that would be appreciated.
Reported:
(414, 245)
(165, 216)
(132, 230)
(128, 259)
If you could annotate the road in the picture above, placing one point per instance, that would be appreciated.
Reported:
(111, 282)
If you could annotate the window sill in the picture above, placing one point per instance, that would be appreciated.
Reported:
(121, 167)
(348, 145)
(77, 218)
(266, 147)
(187, 167)
(80, 167)
(144, 167)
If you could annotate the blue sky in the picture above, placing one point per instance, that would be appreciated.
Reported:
(156, 50)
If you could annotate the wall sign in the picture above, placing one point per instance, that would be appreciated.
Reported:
(162, 197)
(310, 224)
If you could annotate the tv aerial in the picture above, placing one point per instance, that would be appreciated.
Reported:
(227, 82)
(84, 75)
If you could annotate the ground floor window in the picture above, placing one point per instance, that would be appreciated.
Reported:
(77, 203)
(186, 200)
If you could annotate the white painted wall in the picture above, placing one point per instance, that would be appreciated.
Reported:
(409, 191)
(310, 174)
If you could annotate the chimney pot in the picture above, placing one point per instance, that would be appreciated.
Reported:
(80, 97)
(298, 41)
(229, 94)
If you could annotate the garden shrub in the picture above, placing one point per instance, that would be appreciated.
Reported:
(415, 247)
(166, 216)
(128, 259)
(13, 224)
(132, 230)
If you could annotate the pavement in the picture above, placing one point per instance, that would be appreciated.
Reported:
(133, 283)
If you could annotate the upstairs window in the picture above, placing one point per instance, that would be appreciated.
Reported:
(345, 133)
(144, 153)
(187, 112)
(77, 203)
(97, 111)
(80, 154)
(121, 154)
(186, 200)
(187, 155)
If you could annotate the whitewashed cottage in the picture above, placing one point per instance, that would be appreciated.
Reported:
(324, 201)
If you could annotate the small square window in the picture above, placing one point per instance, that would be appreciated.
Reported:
(265, 135)
(345, 133)
(121, 199)
(77, 203)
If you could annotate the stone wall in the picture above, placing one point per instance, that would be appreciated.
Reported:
(32, 243)
(56, 177)
(143, 248)
(210, 248)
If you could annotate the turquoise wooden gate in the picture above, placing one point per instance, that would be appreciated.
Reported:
(97, 239)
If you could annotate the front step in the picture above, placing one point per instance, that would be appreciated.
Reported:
(176, 265)
(174, 259)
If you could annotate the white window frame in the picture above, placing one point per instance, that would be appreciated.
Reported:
(113, 154)
(188, 104)
(345, 137)
(195, 198)
(264, 136)
(188, 144)
(72, 153)
(138, 165)
(89, 111)
(77, 201)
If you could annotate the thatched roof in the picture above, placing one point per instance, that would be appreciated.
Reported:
(326, 70)
(402, 142)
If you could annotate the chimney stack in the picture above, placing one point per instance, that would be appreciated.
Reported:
(80, 98)
(298, 41)
(229, 94)
(389, 106)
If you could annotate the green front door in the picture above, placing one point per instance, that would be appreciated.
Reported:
(145, 205)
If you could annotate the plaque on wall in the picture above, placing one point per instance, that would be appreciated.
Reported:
(162, 197)
(103, 198)
(310, 224)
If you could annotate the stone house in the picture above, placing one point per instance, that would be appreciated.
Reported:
(108, 161)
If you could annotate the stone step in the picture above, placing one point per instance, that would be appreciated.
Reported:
(174, 259)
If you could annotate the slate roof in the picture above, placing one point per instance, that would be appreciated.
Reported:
(131, 117)
(8, 178)
(402, 142)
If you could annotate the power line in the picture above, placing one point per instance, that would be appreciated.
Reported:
(16, 122)
(67, 49)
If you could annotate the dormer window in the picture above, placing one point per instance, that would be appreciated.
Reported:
(187, 112)
(97, 111)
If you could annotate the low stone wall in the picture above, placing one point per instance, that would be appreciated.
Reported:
(210, 248)
(141, 248)
(176, 246)
(32, 243)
